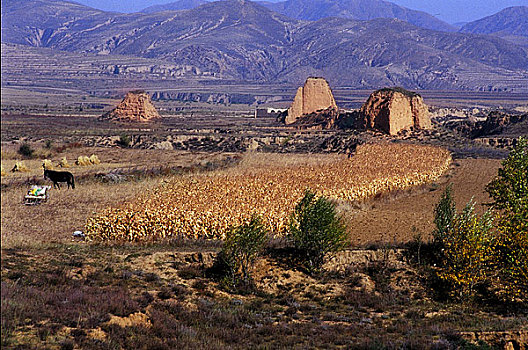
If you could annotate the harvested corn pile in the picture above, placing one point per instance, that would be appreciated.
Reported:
(47, 164)
(63, 163)
(83, 161)
(20, 167)
(206, 205)
(94, 159)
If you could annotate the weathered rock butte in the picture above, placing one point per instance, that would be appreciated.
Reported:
(392, 110)
(135, 107)
(314, 96)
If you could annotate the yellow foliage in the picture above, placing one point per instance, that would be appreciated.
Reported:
(207, 205)
(467, 251)
(3, 171)
(511, 254)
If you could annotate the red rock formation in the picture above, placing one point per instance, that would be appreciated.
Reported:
(393, 110)
(135, 107)
(314, 96)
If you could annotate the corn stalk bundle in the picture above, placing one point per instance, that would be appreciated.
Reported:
(207, 205)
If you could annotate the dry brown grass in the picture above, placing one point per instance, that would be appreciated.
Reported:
(104, 160)
(380, 220)
(67, 210)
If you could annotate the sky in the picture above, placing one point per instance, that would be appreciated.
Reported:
(451, 11)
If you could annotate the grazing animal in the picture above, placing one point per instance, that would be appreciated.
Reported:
(59, 176)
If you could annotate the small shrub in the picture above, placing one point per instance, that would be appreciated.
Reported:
(242, 246)
(467, 251)
(48, 144)
(124, 141)
(26, 150)
(316, 230)
(444, 212)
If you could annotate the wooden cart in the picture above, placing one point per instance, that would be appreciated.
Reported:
(37, 195)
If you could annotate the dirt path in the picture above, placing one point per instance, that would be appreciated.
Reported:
(393, 220)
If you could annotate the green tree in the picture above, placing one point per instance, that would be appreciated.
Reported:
(444, 212)
(316, 230)
(509, 191)
(467, 251)
(488, 250)
(242, 245)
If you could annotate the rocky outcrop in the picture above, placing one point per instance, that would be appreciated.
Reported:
(314, 96)
(320, 120)
(497, 123)
(392, 110)
(135, 107)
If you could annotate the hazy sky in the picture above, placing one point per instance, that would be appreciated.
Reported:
(451, 11)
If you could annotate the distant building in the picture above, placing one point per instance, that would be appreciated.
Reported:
(269, 112)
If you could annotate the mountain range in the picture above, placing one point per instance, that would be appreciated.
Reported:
(175, 6)
(241, 40)
(355, 9)
(510, 23)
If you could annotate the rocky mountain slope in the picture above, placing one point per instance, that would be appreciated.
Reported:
(243, 41)
(512, 20)
(314, 10)
(510, 23)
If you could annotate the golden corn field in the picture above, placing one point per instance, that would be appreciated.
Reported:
(206, 205)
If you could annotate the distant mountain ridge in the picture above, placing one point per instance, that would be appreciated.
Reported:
(510, 24)
(174, 6)
(314, 10)
(510, 21)
(242, 41)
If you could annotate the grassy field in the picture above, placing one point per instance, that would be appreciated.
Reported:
(67, 210)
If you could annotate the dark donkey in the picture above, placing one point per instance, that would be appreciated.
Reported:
(59, 176)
